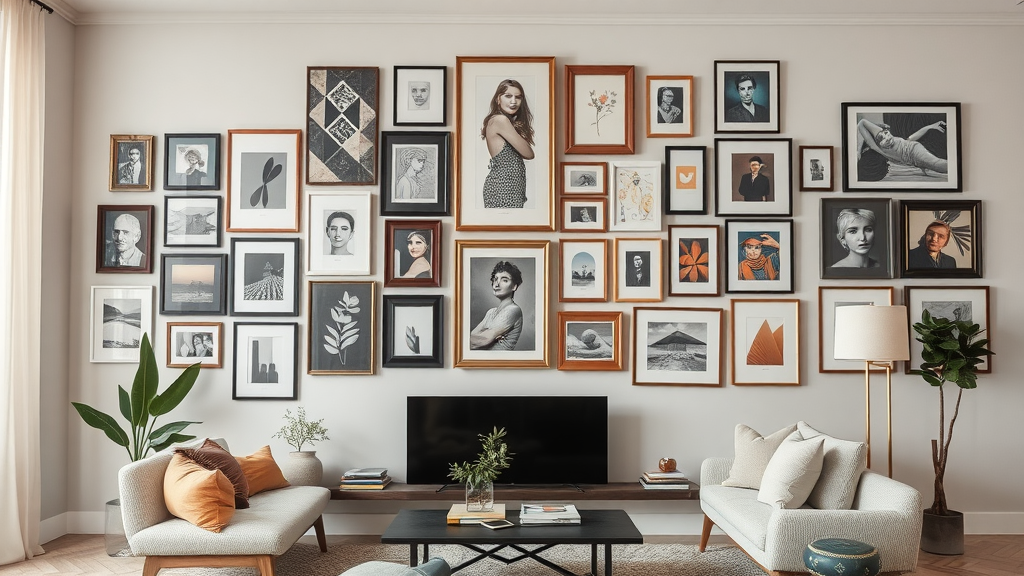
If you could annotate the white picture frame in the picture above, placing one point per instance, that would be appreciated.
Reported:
(119, 316)
(636, 196)
(323, 207)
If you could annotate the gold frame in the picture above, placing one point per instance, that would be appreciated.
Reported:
(615, 363)
(656, 268)
(821, 325)
(147, 142)
(650, 106)
(571, 73)
(295, 182)
(219, 327)
(368, 329)
(639, 322)
(561, 269)
(733, 350)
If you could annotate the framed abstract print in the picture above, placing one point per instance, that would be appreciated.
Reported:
(131, 163)
(194, 284)
(265, 361)
(415, 173)
(413, 331)
(747, 96)
(421, 96)
(694, 260)
(678, 346)
(264, 277)
(829, 299)
(765, 347)
(598, 109)
(191, 342)
(263, 180)
(589, 178)
(342, 117)
(583, 270)
(957, 303)
(685, 182)
(342, 328)
(940, 239)
(638, 270)
(669, 106)
(590, 340)
(192, 221)
(759, 256)
(124, 239)
(636, 195)
(856, 238)
(191, 161)
(120, 315)
(753, 177)
(584, 214)
(339, 234)
(412, 253)
(816, 169)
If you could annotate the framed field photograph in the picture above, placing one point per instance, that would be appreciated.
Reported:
(678, 346)
(192, 221)
(747, 96)
(856, 238)
(421, 96)
(339, 234)
(413, 331)
(415, 174)
(669, 106)
(583, 270)
(636, 197)
(765, 342)
(124, 238)
(830, 298)
(816, 169)
(694, 260)
(686, 185)
(194, 284)
(759, 256)
(412, 253)
(191, 342)
(589, 178)
(131, 163)
(964, 303)
(901, 147)
(590, 340)
(940, 239)
(505, 181)
(120, 315)
(638, 270)
(266, 363)
(192, 161)
(598, 109)
(263, 180)
(342, 328)
(342, 116)
(501, 304)
(753, 177)
(584, 214)
(264, 277)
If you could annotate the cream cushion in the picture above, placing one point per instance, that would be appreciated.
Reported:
(753, 452)
(792, 472)
(840, 471)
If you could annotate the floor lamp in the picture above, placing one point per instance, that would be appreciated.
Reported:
(879, 336)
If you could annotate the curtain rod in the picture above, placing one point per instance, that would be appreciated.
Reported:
(43, 6)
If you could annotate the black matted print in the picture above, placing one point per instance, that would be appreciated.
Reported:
(341, 126)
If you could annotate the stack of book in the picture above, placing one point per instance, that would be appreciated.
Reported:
(459, 515)
(544, 514)
(365, 479)
(659, 480)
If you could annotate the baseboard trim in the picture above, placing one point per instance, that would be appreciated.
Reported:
(53, 528)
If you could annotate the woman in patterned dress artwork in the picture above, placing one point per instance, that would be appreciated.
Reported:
(508, 131)
(502, 325)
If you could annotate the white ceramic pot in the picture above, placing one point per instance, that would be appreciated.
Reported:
(303, 469)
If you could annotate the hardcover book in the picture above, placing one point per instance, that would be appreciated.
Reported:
(459, 515)
(539, 514)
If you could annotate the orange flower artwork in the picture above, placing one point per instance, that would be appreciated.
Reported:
(693, 262)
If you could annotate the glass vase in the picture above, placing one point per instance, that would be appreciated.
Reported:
(480, 496)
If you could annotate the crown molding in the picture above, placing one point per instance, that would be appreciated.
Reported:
(61, 8)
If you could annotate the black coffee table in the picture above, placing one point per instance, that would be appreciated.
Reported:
(426, 527)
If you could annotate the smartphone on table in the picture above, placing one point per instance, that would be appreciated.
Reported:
(497, 524)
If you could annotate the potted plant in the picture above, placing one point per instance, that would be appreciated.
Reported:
(302, 468)
(953, 349)
(479, 476)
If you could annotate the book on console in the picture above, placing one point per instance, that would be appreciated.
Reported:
(458, 514)
(353, 481)
(659, 476)
(542, 514)
(370, 473)
(664, 485)
(358, 485)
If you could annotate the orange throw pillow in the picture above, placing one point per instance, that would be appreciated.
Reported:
(203, 497)
(261, 471)
(213, 457)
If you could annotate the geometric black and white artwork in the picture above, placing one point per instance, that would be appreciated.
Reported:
(341, 125)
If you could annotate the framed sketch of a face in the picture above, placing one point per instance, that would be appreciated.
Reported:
(339, 234)
(415, 177)
(421, 95)
(192, 162)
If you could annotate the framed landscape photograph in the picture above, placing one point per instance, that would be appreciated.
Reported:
(584, 214)
(816, 169)
(194, 284)
(340, 232)
(669, 106)
(192, 161)
(832, 297)
(265, 361)
(119, 316)
(191, 342)
(342, 116)
(124, 238)
(636, 197)
(263, 180)
(342, 328)
(265, 277)
(678, 346)
(686, 184)
(131, 163)
(856, 238)
(759, 256)
(694, 260)
(415, 174)
(590, 178)
(638, 270)
(747, 96)
(902, 147)
(958, 303)
(765, 342)
(583, 272)
(753, 177)
(412, 253)
(192, 221)
(421, 96)
(940, 239)
(590, 340)
(598, 109)
(413, 331)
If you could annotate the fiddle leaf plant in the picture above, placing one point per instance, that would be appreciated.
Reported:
(489, 462)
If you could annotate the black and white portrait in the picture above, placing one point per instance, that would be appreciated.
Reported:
(125, 243)
(414, 173)
(340, 228)
(583, 214)
(670, 105)
(131, 162)
(589, 340)
(503, 303)
(856, 238)
(638, 268)
(419, 95)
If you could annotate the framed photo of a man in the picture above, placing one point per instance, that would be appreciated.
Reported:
(940, 239)
(266, 363)
(590, 340)
(124, 239)
(421, 96)
(339, 234)
(678, 346)
(856, 238)
(131, 163)
(191, 342)
(413, 331)
(754, 177)
(669, 106)
(638, 270)
(816, 169)
(194, 284)
(829, 299)
(747, 96)
(583, 273)
(765, 347)
(412, 254)
(415, 175)
(759, 256)
(342, 119)
(192, 161)
(599, 109)
(342, 328)
(263, 180)
(264, 277)
(120, 315)
(957, 303)
(192, 221)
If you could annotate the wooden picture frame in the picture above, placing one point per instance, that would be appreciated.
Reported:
(191, 342)
(589, 178)
(342, 119)
(583, 270)
(747, 96)
(685, 180)
(590, 341)
(194, 284)
(265, 363)
(952, 228)
(420, 96)
(856, 238)
(264, 276)
(968, 303)
(695, 260)
(192, 161)
(413, 331)
(342, 328)
(118, 317)
(832, 297)
(678, 346)
(765, 348)
(636, 195)
(340, 234)
(816, 174)
(593, 94)
(412, 253)
(638, 270)
(124, 239)
(263, 180)
(767, 267)
(584, 214)
(669, 106)
(193, 221)
(415, 174)
(131, 163)
(739, 192)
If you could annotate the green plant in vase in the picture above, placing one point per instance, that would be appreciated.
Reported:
(302, 468)
(479, 476)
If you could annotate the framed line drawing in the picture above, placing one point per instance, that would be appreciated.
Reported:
(638, 270)
(589, 178)
(191, 161)
(421, 96)
(694, 260)
(265, 361)
(119, 316)
(263, 180)
(264, 277)
(816, 169)
(194, 284)
(590, 340)
(669, 106)
(412, 253)
(940, 239)
(191, 342)
(584, 214)
(342, 116)
(413, 331)
(193, 221)
(415, 174)
(685, 181)
(747, 96)
(966, 303)
(342, 328)
(832, 297)
(759, 256)
(753, 177)
(765, 342)
(583, 270)
(131, 163)
(339, 234)
(598, 109)
(856, 238)
(636, 197)
(124, 238)
(678, 346)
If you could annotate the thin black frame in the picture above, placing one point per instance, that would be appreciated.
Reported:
(220, 285)
(830, 243)
(730, 255)
(774, 97)
(667, 179)
(444, 96)
(905, 236)
(220, 220)
(787, 179)
(295, 274)
(146, 238)
(389, 358)
(170, 156)
(295, 361)
(805, 185)
(442, 206)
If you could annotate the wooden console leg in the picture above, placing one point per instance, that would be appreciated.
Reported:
(705, 533)
(321, 537)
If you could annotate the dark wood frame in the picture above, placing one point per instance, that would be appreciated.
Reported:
(830, 243)
(442, 206)
(783, 183)
(238, 267)
(294, 181)
(774, 70)
(217, 327)
(600, 166)
(915, 347)
(220, 304)
(434, 226)
(368, 329)
(147, 143)
(824, 314)
(213, 158)
(614, 363)
(444, 96)
(731, 252)
(389, 357)
(906, 236)
(561, 270)
(830, 184)
(146, 239)
(220, 220)
(650, 107)
(315, 132)
(563, 216)
(238, 365)
(714, 260)
(571, 146)
(667, 179)
(664, 314)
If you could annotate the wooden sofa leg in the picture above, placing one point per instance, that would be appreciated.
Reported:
(705, 533)
(321, 537)
(263, 562)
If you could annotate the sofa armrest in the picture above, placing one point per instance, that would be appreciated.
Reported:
(877, 492)
(714, 470)
(141, 489)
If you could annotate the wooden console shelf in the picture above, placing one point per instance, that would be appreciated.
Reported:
(455, 493)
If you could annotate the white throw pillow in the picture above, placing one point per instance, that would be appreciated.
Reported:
(844, 462)
(792, 472)
(753, 452)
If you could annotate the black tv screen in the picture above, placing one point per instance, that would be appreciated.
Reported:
(555, 439)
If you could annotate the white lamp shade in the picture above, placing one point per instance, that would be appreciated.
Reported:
(874, 333)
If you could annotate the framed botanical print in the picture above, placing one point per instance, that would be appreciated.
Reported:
(263, 180)
(636, 196)
(589, 178)
(753, 177)
(120, 315)
(192, 161)
(192, 221)
(829, 299)
(415, 175)
(599, 109)
(412, 253)
(194, 284)
(583, 270)
(669, 106)
(131, 163)
(638, 270)
(694, 260)
(505, 180)
(124, 238)
(958, 303)
(747, 96)
(759, 256)
(685, 182)
(816, 169)
(678, 346)
(192, 342)
(584, 214)
(413, 331)
(342, 116)
(264, 277)
(342, 328)
(940, 238)
(421, 96)
(856, 238)
(765, 342)
(265, 361)
(339, 234)
(590, 340)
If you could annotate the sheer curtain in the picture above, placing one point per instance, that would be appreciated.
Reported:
(21, 189)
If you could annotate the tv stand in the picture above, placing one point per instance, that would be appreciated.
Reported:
(506, 492)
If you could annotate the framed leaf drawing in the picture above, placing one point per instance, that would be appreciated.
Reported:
(599, 109)
(342, 328)
(263, 180)
(590, 340)
(832, 297)
(694, 260)
(342, 116)
(669, 106)
(765, 342)
(678, 346)
(636, 197)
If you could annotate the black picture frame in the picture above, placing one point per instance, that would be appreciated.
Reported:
(959, 257)
(408, 111)
(252, 270)
(193, 221)
(874, 256)
(278, 343)
(736, 195)
(685, 182)
(137, 255)
(342, 328)
(192, 161)
(399, 151)
(397, 342)
(198, 290)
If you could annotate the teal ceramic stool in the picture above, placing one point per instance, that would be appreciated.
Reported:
(841, 557)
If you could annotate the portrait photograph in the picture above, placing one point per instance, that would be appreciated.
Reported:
(583, 273)
(940, 239)
(829, 299)
(192, 342)
(192, 161)
(119, 316)
(124, 239)
(412, 253)
(856, 238)
(342, 328)
(504, 142)
(598, 109)
(264, 277)
(816, 169)
(413, 331)
(342, 117)
(956, 303)
(421, 96)
(584, 214)
(759, 256)
(669, 106)
(765, 342)
(636, 199)
(131, 163)
(638, 270)
(265, 361)
(694, 260)
(415, 174)
(194, 284)
(747, 96)
(590, 340)
(590, 178)
(753, 177)
(678, 346)
(685, 180)
(339, 233)
(263, 180)
(192, 221)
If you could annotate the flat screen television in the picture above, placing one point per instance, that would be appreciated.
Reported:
(555, 439)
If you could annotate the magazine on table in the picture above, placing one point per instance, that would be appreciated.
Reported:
(548, 514)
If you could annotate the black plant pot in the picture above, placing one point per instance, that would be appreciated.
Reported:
(943, 534)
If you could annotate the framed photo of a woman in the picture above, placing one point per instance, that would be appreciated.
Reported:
(504, 142)
(263, 180)
(694, 260)
(765, 347)
(583, 273)
(411, 253)
(678, 346)
(339, 234)
(413, 331)
(342, 328)
(638, 270)
(669, 106)
(192, 162)
(829, 299)
(501, 304)
(685, 181)
(421, 96)
(131, 163)
(747, 96)
(940, 239)
(415, 174)
(590, 340)
(191, 342)
(965, 303)
(759, 256)
(753, 177)
(856, 238)
(599, 109)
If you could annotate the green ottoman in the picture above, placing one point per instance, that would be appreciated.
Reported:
(841, 557)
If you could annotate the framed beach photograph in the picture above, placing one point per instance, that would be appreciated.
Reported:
(598, 109)
(191, 342)
(678, 346)
(636, 197)
(342, 117)
(590, 340)
(759, 256)
(415, 175)
(413, 331)
(829, 299)
(902, 147)
(584, 214)
(421, 96)
(264, 277)
(501, 303)
(957, 303)
(505, 180)
(638, 270)
(412, 253)
(131, 163)
(263, 180)
(342, 328)
(191, 161)
(940, 239)
(816, 169)
(694, 260)
(765, 348)
(753, 177)
(747, 96)
(194, 284)
(685, 183)
(266, 363)
(669, 106)
(124, 238)
(856, 238)
(119, 316)
(340, 233)
(590, 178)
(583, 270)
(192, 221)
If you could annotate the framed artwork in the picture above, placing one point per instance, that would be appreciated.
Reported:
(635, 201)
(120, 315)
(585, 214)
(816, 169)
(753, 177)
(669, 106)
(412, 253)
(413, 331)
(342, 328)
(191, 342)
(765, 342)
(598, 109)
(830, 298)
(856, 238)
(747, 96)
(967, 303)
(421, 96)
(589, 178)
(194, 284)
(191, 161)
(583, 270)
(940, 239)
(339, 234)
(124, 238)
(192, 221)
(759, 256)
(131, 163)
(694, 260)
(263, 180)
(266, 361)
(501, 303)
(505, 181)
(265, 277)
(901, 147)
(638, 270)
(686, 185)
(342, 116)
(415, 175)
(590, 340)
(678, 346)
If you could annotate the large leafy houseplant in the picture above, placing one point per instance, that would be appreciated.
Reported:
(489, 462)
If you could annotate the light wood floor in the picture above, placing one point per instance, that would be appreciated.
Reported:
(83, 555)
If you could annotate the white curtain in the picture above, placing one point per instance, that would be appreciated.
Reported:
(21, 189)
